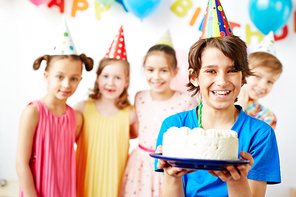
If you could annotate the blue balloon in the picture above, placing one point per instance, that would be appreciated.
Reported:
(120, 1)
(141, 8)
(270, 15)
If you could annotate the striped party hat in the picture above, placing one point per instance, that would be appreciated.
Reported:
(267, 44)
(215, 23)
(64, 44)
(117, 48)
(166, 39)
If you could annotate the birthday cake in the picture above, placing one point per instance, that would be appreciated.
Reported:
(198, 143)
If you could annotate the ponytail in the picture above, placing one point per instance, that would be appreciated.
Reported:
(37, 62)
(88, 62)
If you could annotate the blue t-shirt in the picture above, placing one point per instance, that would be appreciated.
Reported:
(254, 136)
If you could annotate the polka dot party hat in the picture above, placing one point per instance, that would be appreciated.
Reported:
(64, 44)
(267, 44)
(117, 48)
(215, 23)
(166, 39)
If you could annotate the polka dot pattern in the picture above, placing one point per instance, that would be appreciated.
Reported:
(117, 48)
(139, 175)
(64, 44)
(215, 22)
(267, 44)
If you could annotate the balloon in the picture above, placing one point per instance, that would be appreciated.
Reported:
(105, 2)
(121, 2)
(180, 81)
(38, 2)
(269, 15)
(141, 8)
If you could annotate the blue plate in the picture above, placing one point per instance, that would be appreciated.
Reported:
(198, 164)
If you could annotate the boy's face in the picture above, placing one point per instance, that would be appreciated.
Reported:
(261, 83)
(219, 81)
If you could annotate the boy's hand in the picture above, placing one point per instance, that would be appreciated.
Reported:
(235, 173)
(172, 171)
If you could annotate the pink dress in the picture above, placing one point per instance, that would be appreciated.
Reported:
(139, 178)
(53, 156)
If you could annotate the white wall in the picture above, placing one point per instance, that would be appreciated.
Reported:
(27, 32)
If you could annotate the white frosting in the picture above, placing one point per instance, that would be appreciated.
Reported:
(200, 144)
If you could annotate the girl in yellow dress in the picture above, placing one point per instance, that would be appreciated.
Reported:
(109, 123)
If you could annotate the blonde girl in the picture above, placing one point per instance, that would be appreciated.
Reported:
(109, 123)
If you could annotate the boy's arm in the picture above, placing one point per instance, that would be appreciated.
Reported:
(27, 127)
(258, 188)
(173, 182)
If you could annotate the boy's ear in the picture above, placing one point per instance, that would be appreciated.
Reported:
(193, 79)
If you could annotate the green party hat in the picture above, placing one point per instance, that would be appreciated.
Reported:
(166, 39)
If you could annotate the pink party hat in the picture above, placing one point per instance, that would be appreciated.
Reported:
(166, 39)
(64, 44)
(267, 44)
(215, 23)
(117, 48)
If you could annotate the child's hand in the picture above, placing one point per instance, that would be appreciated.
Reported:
(172, 171)
(235, 173)
(243, 98)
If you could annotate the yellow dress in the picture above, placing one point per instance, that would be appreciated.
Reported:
(102, 152)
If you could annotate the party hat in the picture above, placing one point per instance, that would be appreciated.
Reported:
(117, 48)
(166, 39)
(215, 23)
(267, 44)
(64, 44)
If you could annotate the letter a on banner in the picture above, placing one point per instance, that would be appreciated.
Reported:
(59, 3)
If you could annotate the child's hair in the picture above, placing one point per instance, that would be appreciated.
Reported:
(122, 101)
(169, 52)
(231, 46)
(87, 61)
(264, 59)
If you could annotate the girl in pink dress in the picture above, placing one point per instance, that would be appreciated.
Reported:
(152, 107)
(45, 161)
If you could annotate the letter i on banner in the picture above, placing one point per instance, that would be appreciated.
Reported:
(59, 3)
(76, 6)
(180, 7)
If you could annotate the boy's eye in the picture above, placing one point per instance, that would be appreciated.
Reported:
(270, 82)
(258, 77)
(233, 71)
(163, 70)
(59, 77)
(117, 77)
(149, 70)
(211, 71)
(74, 79)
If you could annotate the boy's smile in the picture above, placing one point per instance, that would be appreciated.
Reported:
(219, 81)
